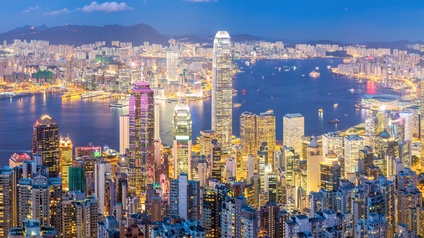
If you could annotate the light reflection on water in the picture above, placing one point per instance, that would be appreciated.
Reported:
(283, 91)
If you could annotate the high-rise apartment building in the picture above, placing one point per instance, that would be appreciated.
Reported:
(182, 133)
(65, 158)
(45, 141)
(222, 90)
(293, 130)
(6, 201)
(185, 198)
(141, 119)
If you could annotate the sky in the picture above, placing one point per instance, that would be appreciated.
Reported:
(339, 20)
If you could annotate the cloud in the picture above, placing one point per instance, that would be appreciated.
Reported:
(57, 12)
(30, 9)
(106, 7)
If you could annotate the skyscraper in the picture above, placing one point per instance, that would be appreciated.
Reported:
(45, 141)
(124, 133)
(65, 158)
(352, 143)
(222, 90)
(182, 140)
(6, 204)
(293, 130)
(265, 124)
(248, 133)
(172, 66)
(421, 96)
(142, 119)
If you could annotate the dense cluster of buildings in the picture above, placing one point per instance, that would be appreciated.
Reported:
(363, 183)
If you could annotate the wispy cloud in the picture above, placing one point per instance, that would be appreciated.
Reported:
(57, 12)
(30, 9)
(106, 7)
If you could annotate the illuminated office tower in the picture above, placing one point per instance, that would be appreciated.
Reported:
(329, 175)
(352, 144)
(293, 130)
(141, 113)
(172, 66)
(102, 172)
(313, 158)
(216, 167)
(182, 133)
(222, 90)
(291, 161)
(248, 133)
(6, 201)
(206, 136)
(266, 133)
(124, 133)
(332, 141)
(65, 157)
(45, 141)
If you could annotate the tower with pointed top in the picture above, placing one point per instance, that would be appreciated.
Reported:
(222, 90)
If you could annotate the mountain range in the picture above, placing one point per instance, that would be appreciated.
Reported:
(137, 34)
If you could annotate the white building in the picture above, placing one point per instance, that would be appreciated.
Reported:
(293, 130)
(352, 144)
(222, 90)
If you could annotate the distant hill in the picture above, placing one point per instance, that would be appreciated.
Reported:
(83, 34)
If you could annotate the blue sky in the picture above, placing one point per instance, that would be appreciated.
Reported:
(342, 20)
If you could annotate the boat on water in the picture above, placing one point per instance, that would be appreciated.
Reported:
(317, 68)
(320, 111)
(303, 75)
(336, 105)
(236, 104)
(253, 61)
(235, 92)
(279, 69)
(362, 106)
(120, 104)
(334, 121)
(328, 67)
(294, 67)
(352, 90)
(314, 74)
(247, 63)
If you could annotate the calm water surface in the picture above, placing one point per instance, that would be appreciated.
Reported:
(266, 88)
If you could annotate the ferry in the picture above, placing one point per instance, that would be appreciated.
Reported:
(120, 104)
(237, 105)
(335, 121)
(314, 74)
(320, 111)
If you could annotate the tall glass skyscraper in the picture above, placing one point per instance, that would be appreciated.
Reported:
(182, 133)
(45, 141)
(142, 129)
(222, 90)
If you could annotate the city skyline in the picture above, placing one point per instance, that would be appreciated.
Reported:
(306, 20)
